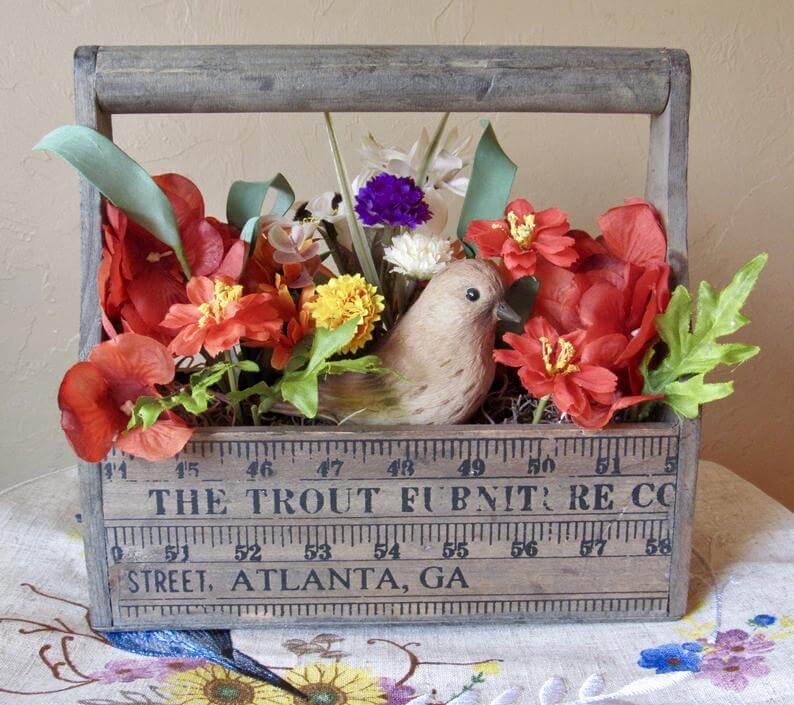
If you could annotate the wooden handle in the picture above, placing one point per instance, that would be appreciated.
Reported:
(196, 79)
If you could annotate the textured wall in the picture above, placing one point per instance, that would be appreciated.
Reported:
(741, 167)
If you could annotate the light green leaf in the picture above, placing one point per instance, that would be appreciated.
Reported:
(693, 353)
(258, 389)
(119, 178)
(246, 199)
(361, 365)
(673, 324)
(146, 412)
(327, 343)
(720, 314)
(685, 397)
(247, 366)
(197, 400)
(301, 391)
(492, 175)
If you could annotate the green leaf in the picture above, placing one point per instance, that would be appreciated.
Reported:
(327, 343)
(246, 199)
(247, 366)
(692, 353)
(299, 385)
(361, 365)
(197, 400)
(302, 392)
(258, 389)
(146, 412)
(492, 175)
(685, 397)
(120, 179)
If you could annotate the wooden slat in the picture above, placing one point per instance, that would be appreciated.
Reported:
(349, 524)
(88, 113)
(666, 188)
(195, 79)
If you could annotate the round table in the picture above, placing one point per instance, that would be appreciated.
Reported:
(735, 645)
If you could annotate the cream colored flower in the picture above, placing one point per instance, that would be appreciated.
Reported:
(418, 256)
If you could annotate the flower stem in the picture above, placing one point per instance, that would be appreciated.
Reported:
(255, 415)
(232, 385)
(431, 151)
(540, 408)
(360, 244)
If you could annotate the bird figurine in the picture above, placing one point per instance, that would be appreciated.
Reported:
(442, 348)
(213, 645)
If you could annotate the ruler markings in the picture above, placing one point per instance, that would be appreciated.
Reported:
(627, 533)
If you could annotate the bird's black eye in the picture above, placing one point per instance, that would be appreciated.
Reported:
(472, 294)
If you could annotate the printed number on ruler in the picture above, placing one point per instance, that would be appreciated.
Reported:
(402, 528)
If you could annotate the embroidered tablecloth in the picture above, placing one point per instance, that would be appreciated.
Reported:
(735, 646)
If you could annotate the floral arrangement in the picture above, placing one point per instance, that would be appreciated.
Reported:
(335, 309)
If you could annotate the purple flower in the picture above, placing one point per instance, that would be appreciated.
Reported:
(133, 670)
(733, 672)
(392, 200)
(671, 657)
(762, 620)
(737, 642)
(396, 694)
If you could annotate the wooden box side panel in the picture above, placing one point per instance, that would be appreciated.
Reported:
(521, 522)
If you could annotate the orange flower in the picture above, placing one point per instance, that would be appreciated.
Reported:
(96, 398)
(219, 316)
(298, 323)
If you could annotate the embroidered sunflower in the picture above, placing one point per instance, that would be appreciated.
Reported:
(329, 684)
(346, 298)
(214, 685)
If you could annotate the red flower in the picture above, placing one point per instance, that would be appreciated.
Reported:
(619, 285)
(140, 278)
(574, 370)
(524, 238)
(96, 398)
(218, 316)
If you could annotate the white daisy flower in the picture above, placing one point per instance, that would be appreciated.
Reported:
(418, 255)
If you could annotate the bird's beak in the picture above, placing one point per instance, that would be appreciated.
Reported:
(506, 313)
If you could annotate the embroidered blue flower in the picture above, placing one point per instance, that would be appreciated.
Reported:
(392, 200)
(762, 620)
(671, 657)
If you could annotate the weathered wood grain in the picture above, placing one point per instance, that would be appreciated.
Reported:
(195, 79)
(88, 113)
(666, 188)
(394, 525)
(240, 79)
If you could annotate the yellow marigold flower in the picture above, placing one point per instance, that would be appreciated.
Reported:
(488, 668)
(214, 685)
(330, 684)
(346, 298)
